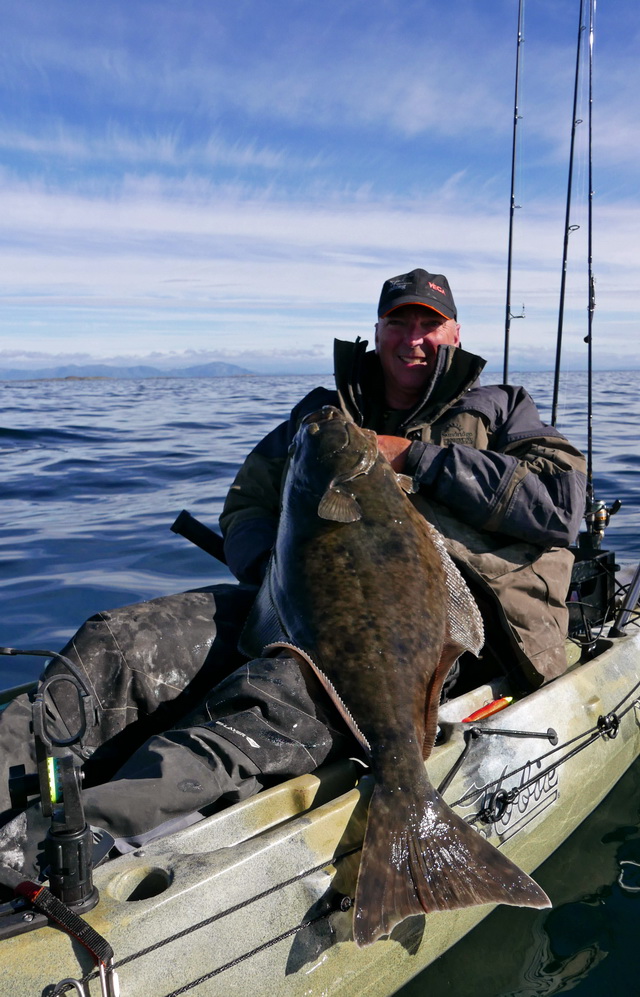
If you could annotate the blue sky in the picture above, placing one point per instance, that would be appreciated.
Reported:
(198, 180)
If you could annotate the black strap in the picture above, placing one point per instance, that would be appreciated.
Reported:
(46, 903)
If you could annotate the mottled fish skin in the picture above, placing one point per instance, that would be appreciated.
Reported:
(367, 595)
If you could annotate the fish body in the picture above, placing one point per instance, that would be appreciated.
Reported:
(361, 585)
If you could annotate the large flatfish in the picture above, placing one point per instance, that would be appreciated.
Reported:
(362, 587)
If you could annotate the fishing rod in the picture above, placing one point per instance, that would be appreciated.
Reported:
(594, 566)
(590, 276)
(512, 204)
(597, 514)
(568, 227)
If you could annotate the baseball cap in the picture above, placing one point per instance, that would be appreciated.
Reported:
(418, 288)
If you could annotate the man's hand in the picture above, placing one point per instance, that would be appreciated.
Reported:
(394, 448)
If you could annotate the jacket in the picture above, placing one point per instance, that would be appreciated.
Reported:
(506, 491)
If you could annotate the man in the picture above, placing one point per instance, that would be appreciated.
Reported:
(505, 490)
(180, 731)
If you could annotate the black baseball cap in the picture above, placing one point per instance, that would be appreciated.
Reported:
(418, 288)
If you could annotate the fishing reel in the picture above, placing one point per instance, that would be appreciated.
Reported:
(597, 517)
(591, 601)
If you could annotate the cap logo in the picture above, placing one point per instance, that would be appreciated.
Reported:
(436, 287)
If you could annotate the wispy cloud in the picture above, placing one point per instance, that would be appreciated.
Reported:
(309, 67)
(118, 146)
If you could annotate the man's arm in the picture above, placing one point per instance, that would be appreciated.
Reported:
(531, 486)
(249, 519)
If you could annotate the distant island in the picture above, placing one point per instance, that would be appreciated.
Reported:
(83, 371)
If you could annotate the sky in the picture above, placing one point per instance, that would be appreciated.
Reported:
(201, 180)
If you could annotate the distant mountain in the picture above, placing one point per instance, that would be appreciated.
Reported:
(214, 369)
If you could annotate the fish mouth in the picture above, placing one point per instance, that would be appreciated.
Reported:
(344, 435)
(316, 421)
(326, 414)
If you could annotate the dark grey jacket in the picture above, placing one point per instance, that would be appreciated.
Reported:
(506, 491)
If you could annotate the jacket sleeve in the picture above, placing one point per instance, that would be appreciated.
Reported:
(249, 519)
(529, 484)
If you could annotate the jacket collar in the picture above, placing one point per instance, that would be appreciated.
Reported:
(360, 383)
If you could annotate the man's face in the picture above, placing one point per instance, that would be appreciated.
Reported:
(407, 341)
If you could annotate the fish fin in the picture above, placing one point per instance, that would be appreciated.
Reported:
(339, 506)
(407, 483)
(465, 630)
(328, 685)
(447, 659)
(428, 859)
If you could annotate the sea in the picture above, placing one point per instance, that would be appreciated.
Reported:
(93, 474)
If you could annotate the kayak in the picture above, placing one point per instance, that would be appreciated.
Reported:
(259, 896)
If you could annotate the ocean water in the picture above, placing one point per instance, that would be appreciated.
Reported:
(93, 474)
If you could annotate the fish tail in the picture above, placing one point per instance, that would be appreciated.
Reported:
(419, 856)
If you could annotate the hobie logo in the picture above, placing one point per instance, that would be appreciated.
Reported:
(436, 287)
(515, 807)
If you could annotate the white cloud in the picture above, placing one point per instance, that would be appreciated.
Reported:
(248, 173)
(189, 271)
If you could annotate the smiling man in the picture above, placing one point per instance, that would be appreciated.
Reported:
(407, 341)
(181, 728)
(506, 491)
(416, 315)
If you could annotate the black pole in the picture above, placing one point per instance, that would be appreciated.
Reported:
(567, 224)
(512, 203)
(591, 278)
